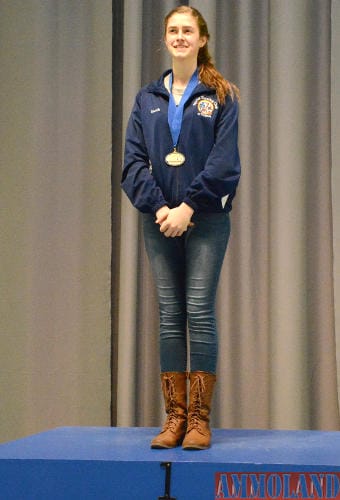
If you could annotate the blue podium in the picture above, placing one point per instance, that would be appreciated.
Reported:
(83, 463)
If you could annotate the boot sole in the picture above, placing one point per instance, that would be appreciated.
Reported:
(192, 447)
(162, 447)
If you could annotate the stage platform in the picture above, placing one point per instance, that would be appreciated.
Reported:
(83, 463)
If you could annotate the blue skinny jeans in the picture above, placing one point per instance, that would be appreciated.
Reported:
(186, 270)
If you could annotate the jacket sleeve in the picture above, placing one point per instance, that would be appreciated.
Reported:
(222, 169)
(137, 180)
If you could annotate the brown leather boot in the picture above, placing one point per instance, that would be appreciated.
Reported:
(174, 386)
(198, 435)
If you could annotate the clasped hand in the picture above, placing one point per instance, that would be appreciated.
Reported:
(174, 221)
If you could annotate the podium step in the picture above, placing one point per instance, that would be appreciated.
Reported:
(85, 463)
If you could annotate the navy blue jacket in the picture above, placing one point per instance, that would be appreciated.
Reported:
(208, 139)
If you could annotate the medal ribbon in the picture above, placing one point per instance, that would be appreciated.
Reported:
(175, 113)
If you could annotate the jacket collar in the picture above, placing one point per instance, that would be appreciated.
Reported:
(158, 87)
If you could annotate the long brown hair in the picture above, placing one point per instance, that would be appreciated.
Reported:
(208, 74)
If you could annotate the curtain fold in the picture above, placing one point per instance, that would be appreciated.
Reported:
(335, 125)
(277, 363)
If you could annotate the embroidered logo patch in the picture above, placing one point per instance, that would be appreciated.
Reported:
(205, 106)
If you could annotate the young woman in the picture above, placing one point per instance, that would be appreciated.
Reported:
(181, 170)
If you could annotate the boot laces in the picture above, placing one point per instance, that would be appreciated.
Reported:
(172, 419)
(196, 417)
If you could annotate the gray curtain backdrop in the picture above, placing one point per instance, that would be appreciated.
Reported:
(71, 356)
(335, 126)
(55, 140)
(276, 302)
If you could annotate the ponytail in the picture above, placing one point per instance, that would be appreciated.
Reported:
(211, 77)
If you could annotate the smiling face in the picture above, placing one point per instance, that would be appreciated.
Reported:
(182, 37)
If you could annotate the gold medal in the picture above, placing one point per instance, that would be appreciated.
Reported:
(175, 159)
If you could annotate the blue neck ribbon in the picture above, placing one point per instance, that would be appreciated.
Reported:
(175, 113)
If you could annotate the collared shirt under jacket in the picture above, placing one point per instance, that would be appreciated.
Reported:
(208, 178)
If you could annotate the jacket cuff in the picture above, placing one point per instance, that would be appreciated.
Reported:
(159, 205)
(191, 203)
